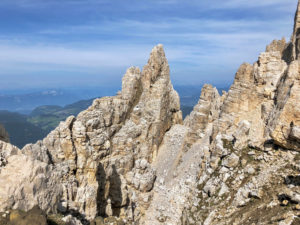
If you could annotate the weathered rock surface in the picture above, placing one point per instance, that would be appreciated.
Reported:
(205, 112)
(256, 141)
(87, 161)
(26, 183)
(295, 36)
(6, 150)
(130, 159)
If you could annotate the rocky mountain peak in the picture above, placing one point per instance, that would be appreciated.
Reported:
(296, 33)
(157, 67)
(131, 159)
(103, 155)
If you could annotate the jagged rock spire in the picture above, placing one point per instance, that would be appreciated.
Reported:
(156, 67)
(297, 18)
(103, 155)
(296, 33)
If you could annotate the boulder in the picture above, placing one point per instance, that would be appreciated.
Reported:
(231, 161)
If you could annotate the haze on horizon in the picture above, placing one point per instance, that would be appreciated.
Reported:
(53, 43)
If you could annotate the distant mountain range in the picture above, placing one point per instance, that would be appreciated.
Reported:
(25, 102)
(24, 129)
(26, 123)
(19, 129)
(48, 117)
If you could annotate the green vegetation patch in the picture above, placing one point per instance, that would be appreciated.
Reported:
(55, 219)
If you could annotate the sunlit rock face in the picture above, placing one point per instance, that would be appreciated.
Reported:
(104, 154)
(130, 158)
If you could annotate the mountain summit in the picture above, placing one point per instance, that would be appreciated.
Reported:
(131, 159)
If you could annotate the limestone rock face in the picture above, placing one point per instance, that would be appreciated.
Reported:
(85, 161)
(206, 111)
(249, 150)
(252, 98)
(177, 167)
(26, 182)
(242, 140)
(7, 150)
(295, 36)
(277, 46)
(285, 121)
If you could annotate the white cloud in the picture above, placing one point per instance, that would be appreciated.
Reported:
(192, 45)
(241, 4)
(255, 3)
(139, 5)
(70, 58)
(188, 37)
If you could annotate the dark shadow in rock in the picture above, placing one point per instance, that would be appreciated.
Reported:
(115, 192)
(133, 206)
(109, 188)
(283, 197)
(78, 215)
(286, 197)
(294, 180)
(271, 144)
(297, 44)
(101, 195)
(287, 54)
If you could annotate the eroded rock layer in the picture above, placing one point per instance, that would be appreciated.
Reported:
(131, 159)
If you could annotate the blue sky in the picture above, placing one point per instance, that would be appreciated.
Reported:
(62, 43)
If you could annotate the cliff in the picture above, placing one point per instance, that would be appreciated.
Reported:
(130, 158)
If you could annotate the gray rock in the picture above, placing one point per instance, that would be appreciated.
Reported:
(69, 219)
(231, 161)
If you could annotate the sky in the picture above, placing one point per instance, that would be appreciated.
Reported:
(85, 43)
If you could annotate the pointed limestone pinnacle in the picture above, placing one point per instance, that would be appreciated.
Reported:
(296, 33)
(297, 19)
(131, 83)
(108, 209)
(156, 67)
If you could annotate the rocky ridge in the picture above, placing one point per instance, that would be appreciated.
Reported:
(100, 162)
(131, 159)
